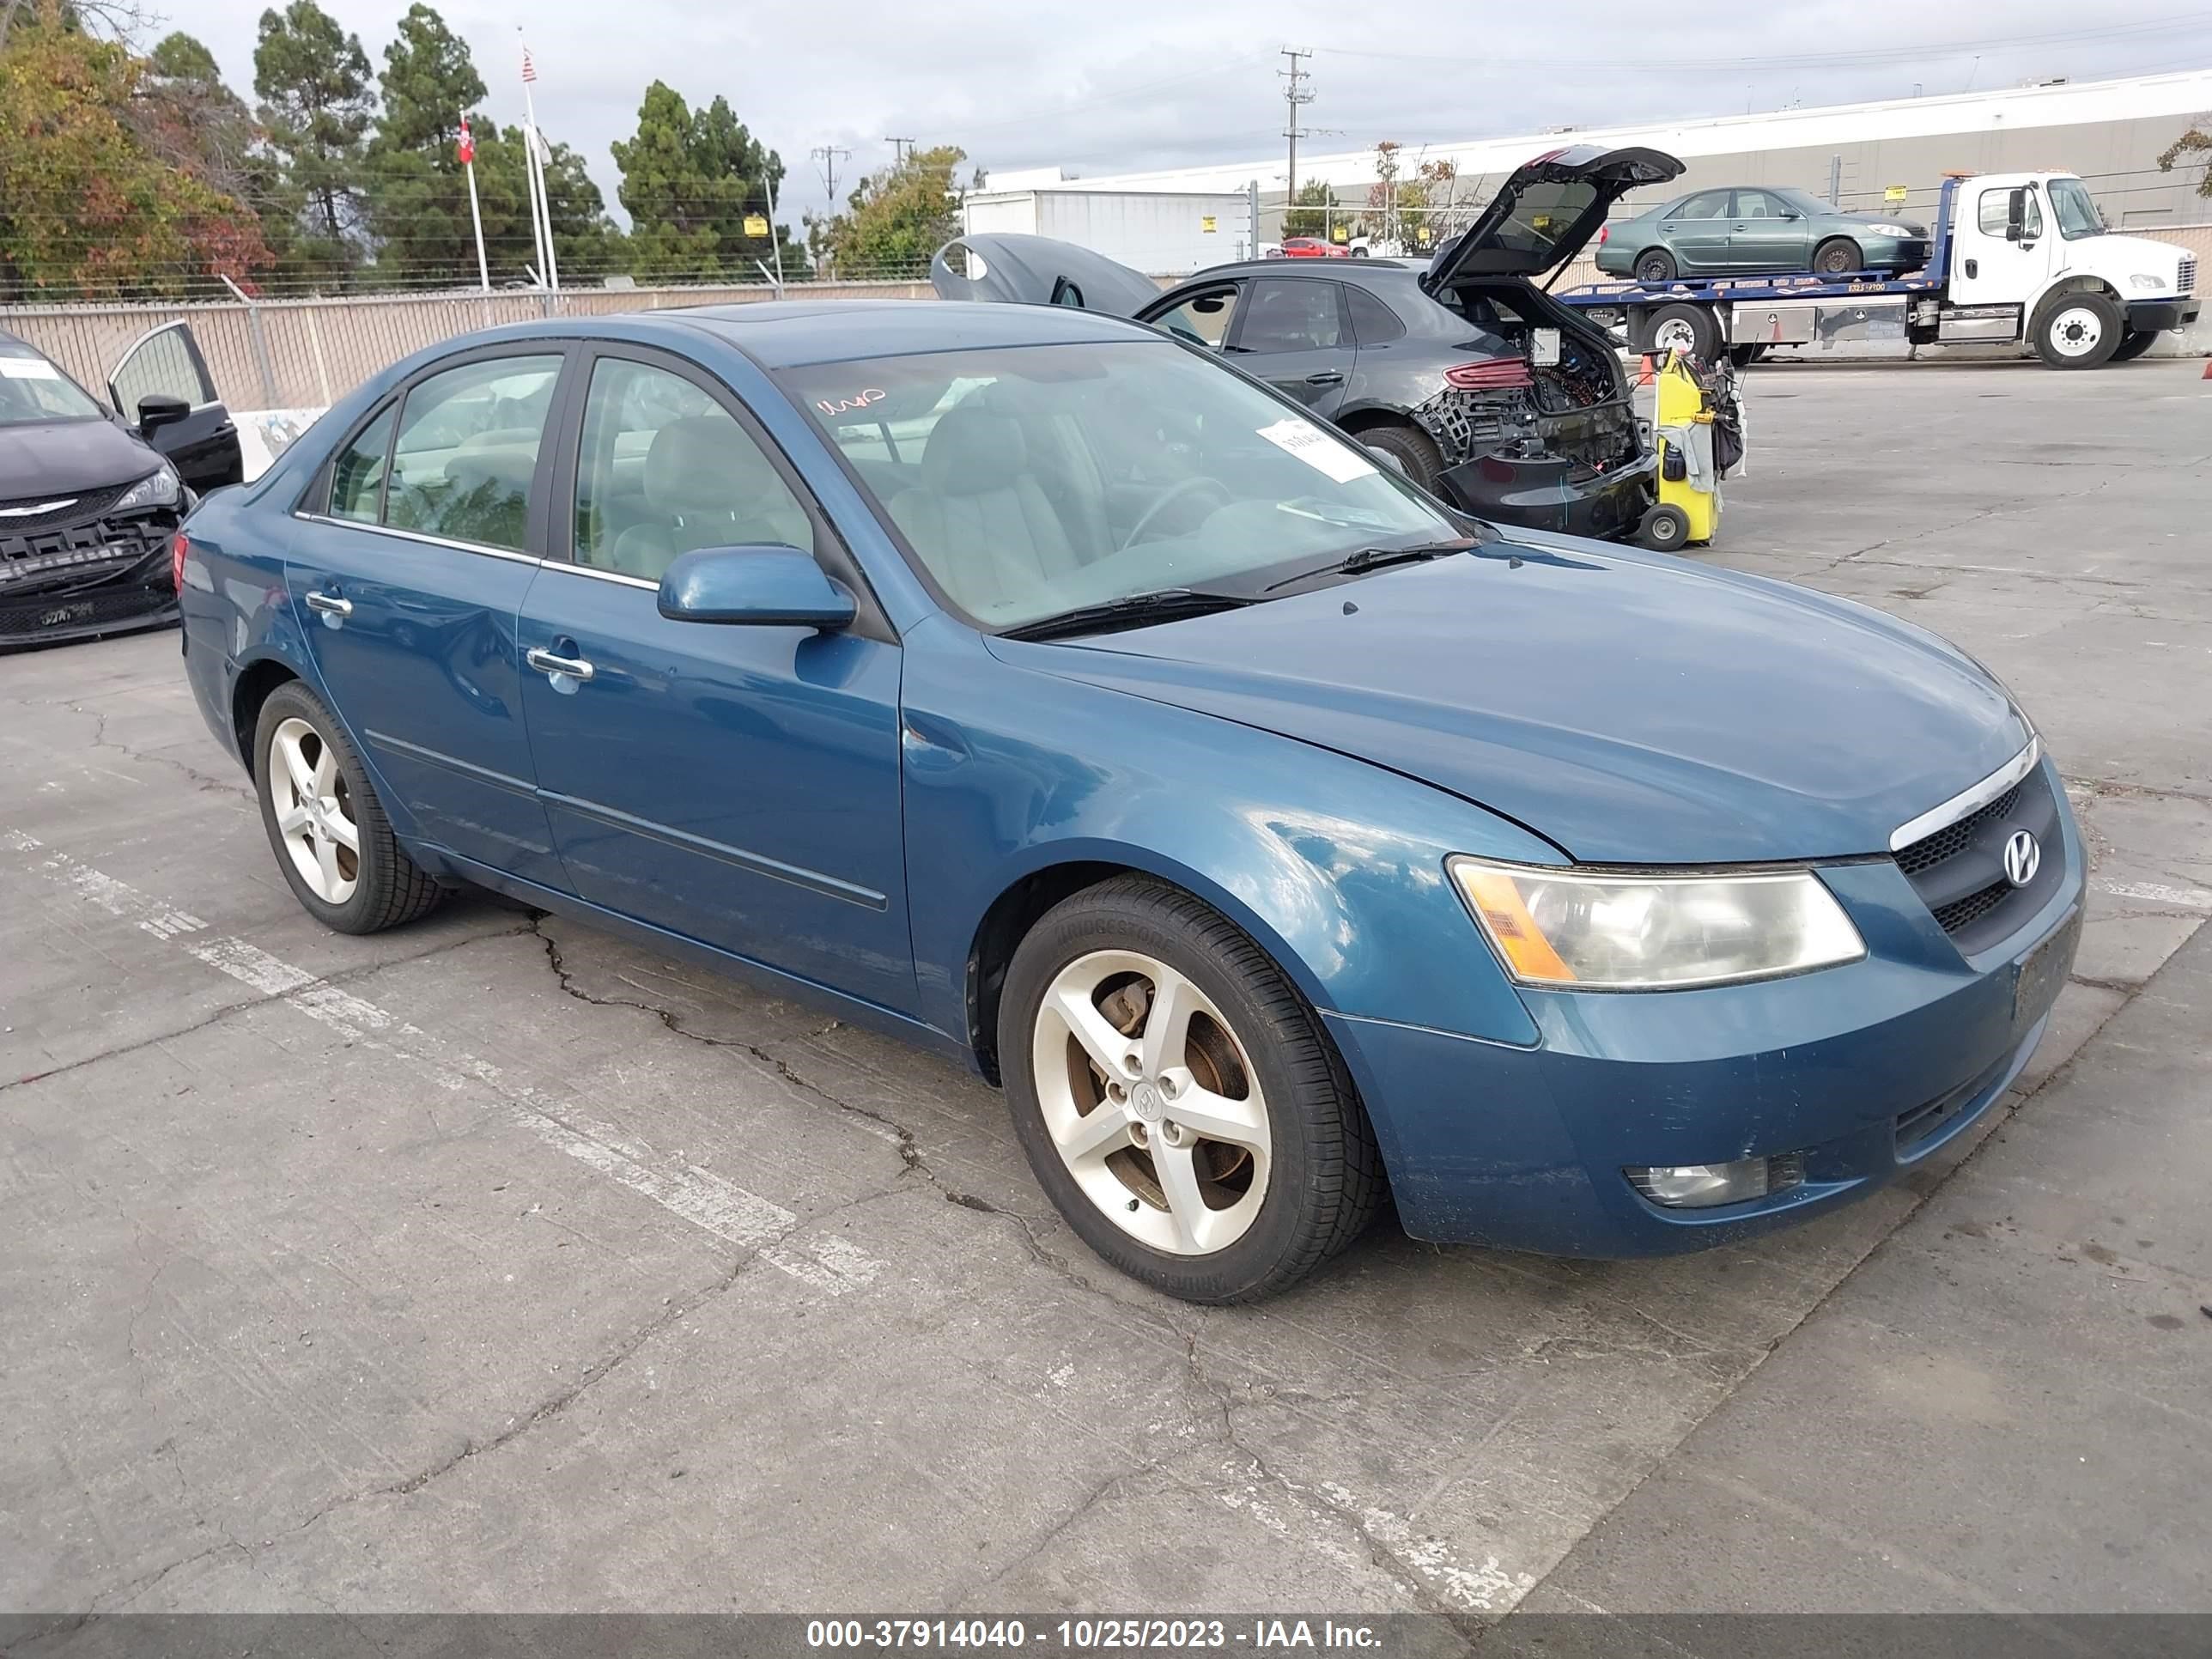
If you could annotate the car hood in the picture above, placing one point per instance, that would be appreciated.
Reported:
(50, 459)
(1039, 271)
(1629, 708)
(1546, 210)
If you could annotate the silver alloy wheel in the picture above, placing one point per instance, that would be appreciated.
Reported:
(1675, 334)
(314, 811)
(2075, 331)
(1153, 1102)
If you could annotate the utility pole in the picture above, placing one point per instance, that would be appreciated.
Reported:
(899, 146)
(1298, 92)
(828, 156)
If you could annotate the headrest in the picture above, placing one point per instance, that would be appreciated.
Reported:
(972, 451)
(705, 463)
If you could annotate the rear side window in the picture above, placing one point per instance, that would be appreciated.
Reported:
(1291, 314)
(357, 475)
(467, 450)
(1705, 204)
(1373, 322)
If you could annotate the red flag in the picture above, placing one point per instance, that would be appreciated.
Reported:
(465, 151)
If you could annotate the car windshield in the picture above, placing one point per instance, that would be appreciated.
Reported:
(2076, 214)
(32, 391)
(1031, 480)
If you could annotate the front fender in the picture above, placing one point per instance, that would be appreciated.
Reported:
(1335, 866)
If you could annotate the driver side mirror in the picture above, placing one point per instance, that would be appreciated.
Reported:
(766, 585)
(159, 409)
(2016, 215)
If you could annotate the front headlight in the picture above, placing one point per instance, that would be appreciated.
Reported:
(1890, 230)
(2154, 283)
(1602, 931)
(156, 489)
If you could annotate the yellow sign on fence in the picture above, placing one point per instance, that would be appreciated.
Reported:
(755, 225)
(1206, 223)
(1895, 194)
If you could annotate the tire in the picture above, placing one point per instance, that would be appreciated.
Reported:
(1655, 264)
(2078, 331)
(1359, 253)
(1743, 357)
(1693, 327)
(364, 889)
(1413, 451)
(1258, 1214)
(1838, 255)
(2134, 343)
(1665, 528)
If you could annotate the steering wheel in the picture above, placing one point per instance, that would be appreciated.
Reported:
(1173, 493)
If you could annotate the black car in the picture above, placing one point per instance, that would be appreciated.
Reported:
(1471, 380)
(90, 501)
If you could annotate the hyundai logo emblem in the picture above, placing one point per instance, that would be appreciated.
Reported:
(2022, 857)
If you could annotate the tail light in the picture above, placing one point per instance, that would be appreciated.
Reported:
(180, 545)
(1490, 375)
(1603, 231)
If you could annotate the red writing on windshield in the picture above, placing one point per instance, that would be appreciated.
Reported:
(858, 400)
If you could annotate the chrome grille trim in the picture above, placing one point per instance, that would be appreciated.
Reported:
(1968, 801)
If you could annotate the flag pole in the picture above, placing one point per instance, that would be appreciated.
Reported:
(541, 218)
(476, 213)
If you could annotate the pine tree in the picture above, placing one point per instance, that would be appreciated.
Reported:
(313, 80)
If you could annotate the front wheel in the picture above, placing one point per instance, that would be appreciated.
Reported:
(1178, 1100)
(1838, 255)
(2134, 343)
(2078, 331)
(332, 841)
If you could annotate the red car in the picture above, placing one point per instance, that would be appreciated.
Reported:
(1312, 248)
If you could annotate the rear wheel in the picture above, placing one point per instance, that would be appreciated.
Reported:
(332, 841)
(2078, 331)
(1178, 1100)
(1691, 329)
(1743, 357)
(2134, 343)
(1655, 265)
(1412, 452)
(1837, 257)
(1665, 527)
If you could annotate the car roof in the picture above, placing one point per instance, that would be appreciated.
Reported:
(789, 333)
(1367, 273)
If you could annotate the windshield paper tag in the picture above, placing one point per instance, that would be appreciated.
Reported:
(27, 369)
(1318, 450)
(1544, 348)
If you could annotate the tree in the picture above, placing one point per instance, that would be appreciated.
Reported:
(696, 184)
(899, 216)
(1399, 207)
(87, 204)
(195, 122)
(2195, 144)
(1308, 214)
(313, 80)
(429, 81)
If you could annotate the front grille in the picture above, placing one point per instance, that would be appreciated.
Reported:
(1958, 870)
(2186, 284)
(72, 554)
(74, 505)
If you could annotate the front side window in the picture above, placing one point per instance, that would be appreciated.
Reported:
(1035, 480)
(165, 363)
(2076, 213)
(1289, 313)
(1202, 319)
(1993, 210)
(32, 391)
(357, 475)
(467, 450)
(1757, 204)
(664, 470)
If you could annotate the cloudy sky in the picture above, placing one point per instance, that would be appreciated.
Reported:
(1101, 87)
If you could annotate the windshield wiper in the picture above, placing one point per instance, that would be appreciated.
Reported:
(1131, 611)
(1362, 559)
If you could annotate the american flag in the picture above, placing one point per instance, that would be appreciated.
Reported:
(529, 69)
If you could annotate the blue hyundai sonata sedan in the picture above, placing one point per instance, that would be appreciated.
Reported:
(1031, 685)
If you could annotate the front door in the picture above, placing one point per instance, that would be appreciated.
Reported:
(1291, 331)
(736, 785)
(1988, 266)
(203, 446)
(406, 572)
(1767, 233)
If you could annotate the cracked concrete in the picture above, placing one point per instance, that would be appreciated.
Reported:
(617, 1285)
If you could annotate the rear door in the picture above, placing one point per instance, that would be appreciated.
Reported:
(736, 785)
(408, 567)
(203, 447)
(1291, 331)
(1768, 235)
(1697, 232)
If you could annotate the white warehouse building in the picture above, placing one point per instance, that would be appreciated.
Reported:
(2110, 132)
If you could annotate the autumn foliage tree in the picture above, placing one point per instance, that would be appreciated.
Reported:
(898, 216)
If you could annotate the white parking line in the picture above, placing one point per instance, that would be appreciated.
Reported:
(699, 1196)
(2150, 892)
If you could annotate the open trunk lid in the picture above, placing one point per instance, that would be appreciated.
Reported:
(1547, 212)
(1039, 271)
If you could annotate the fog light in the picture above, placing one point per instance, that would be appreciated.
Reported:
(1701, 1185)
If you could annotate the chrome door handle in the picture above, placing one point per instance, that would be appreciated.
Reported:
(546, 663)
(330, 605)
(1326, 377)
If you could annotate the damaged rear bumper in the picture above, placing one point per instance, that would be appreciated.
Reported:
(1557, 494)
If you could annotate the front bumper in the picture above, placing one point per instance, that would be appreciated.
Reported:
(1558, 495)
(1865, 1070)
(2160, 316)
(142, 596)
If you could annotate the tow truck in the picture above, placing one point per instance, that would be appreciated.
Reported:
(2015, 255)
